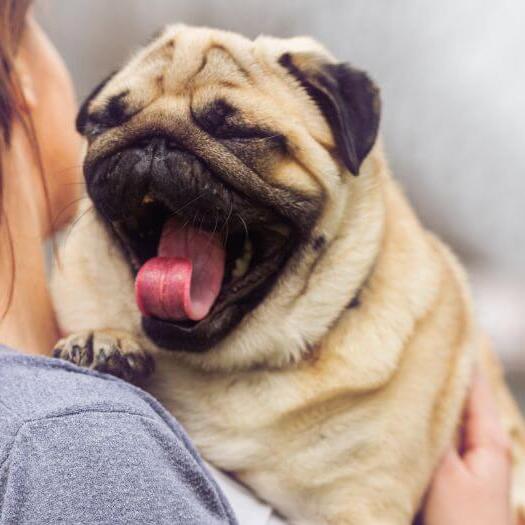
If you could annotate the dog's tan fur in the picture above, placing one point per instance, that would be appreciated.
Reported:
(332, 414)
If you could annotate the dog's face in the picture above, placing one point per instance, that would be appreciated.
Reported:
(213, 159)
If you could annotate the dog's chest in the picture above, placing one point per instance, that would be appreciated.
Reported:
(280, 441)
(244, 422)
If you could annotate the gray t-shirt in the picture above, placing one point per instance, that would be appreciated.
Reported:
(77, 447)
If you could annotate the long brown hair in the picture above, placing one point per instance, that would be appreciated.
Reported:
(12, 22)
(13, 15)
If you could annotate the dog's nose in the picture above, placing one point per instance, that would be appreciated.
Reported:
(153, 165)
(118, 183)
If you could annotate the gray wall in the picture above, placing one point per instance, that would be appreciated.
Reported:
(452, 76)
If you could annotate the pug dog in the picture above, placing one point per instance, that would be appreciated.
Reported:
(247, 257)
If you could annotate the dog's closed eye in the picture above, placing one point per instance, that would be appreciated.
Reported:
(115, 112)
(223, 121)
(213, 117)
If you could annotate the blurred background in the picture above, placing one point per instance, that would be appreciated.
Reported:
(452, 77)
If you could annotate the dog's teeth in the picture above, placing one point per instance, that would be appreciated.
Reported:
(148, 199)
(243, 262)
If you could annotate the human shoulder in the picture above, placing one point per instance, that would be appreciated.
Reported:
(38, 387)
(114, 443)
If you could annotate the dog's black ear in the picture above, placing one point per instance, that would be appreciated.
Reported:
(348, 99)
(83, 113)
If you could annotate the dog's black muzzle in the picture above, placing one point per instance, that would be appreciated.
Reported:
(158, 169)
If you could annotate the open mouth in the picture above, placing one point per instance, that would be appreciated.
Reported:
(200, 269)
(205, 248)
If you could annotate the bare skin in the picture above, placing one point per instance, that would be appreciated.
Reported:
(49, 99)
(473, 488)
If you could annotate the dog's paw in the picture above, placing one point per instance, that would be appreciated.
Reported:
(112, 352)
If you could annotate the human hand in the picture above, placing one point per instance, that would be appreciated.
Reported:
(474, 487)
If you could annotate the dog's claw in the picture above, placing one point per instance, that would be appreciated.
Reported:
(111, 352)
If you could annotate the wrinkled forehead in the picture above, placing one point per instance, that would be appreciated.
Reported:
(185, 68)
(183, 62)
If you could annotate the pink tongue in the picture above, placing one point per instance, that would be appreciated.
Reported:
(184, 280)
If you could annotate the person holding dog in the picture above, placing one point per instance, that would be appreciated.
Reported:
(81, 447)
